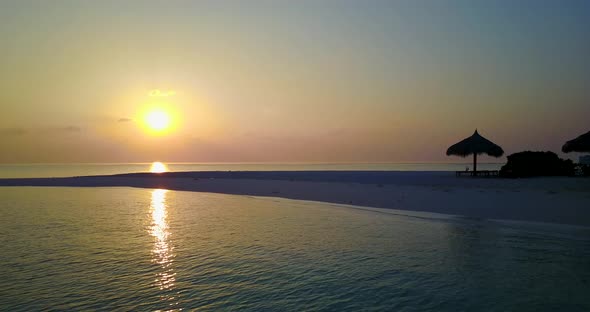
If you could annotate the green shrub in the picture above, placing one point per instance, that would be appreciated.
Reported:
(532, 164)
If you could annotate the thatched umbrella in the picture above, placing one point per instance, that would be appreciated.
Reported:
(579, 144)
(475, 144)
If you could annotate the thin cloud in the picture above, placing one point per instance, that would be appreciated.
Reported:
(66, 129)
(13, 131)
(160, 93)
(39, 131)
(71, 129)
(124, 120)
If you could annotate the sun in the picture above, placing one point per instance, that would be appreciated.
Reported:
(157, 120)
(158, 167)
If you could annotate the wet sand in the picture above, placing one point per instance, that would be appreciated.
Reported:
(553, 199)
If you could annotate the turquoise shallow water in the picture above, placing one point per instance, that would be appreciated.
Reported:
(120, 249)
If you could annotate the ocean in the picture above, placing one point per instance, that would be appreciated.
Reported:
(127, 249)
(68, 170)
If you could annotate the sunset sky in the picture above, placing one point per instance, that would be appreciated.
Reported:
(288, 81)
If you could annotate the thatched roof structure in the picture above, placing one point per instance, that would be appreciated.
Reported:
(579, 144)
(475, 144)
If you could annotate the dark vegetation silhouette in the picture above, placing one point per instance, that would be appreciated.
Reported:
(533, 164)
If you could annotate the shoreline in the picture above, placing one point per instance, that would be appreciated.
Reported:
(559, 200)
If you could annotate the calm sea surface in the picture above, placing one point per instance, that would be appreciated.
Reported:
(69, 170)
(122, 249)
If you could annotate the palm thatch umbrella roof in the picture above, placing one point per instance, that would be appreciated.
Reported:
(475, 145)
(579, 144)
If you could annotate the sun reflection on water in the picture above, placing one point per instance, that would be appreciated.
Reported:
(162, 251)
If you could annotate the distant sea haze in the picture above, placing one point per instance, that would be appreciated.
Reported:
(69, 170)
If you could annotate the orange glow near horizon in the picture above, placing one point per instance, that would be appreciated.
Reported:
(158, 167)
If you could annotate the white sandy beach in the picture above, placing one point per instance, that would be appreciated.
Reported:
(554, 200)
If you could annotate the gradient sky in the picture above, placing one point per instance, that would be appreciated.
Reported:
(289, 81)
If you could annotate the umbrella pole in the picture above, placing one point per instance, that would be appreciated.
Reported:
(474, 164)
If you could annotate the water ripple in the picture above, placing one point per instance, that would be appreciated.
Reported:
(120, 249)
